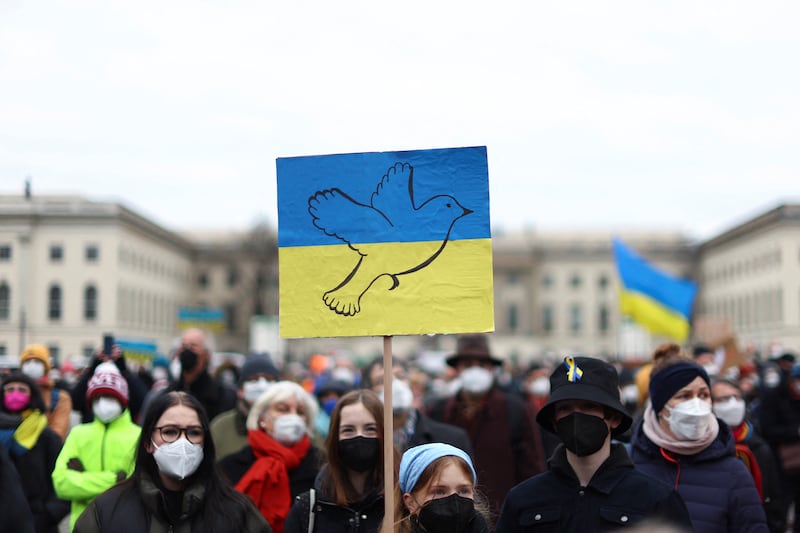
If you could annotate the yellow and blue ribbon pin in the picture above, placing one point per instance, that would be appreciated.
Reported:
(574, 373)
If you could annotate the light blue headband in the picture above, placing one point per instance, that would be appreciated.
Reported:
(415, 460)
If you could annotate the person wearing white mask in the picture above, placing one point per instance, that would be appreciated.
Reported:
(35, 363)
(507, 445)
(97, 454)
(229, 428)
(175, 486)
(280, 460)
(681, 442)
(411, 426)
(751, 448)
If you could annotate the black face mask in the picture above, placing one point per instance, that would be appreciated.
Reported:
(188, 360)
(582, 434)
(450, 514)
(359, 454)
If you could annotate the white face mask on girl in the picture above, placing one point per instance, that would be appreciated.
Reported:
(288, 429)
(689, 420)
(476, 379)
(179, 459)
(731, 411)
(106, 409)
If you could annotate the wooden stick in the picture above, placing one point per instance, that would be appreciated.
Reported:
(388, 438)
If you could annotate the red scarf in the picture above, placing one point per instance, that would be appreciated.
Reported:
(741, 435)
(267, 481)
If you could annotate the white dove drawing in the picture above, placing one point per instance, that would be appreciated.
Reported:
(392, 212)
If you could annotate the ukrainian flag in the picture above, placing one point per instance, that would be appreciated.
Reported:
(385, 243)
(660, 302)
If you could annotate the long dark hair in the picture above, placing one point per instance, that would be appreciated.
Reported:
(338, 483)
(223, 508)
(36, 401)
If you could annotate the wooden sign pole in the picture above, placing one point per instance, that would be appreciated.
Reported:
(388, 438)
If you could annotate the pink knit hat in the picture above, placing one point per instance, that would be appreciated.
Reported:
(108, 380)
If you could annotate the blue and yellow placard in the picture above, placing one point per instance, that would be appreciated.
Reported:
(385, 243)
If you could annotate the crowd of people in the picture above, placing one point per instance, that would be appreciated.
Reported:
(690, 441)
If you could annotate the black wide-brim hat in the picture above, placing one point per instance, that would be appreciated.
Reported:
(584, 378)
(473, 347)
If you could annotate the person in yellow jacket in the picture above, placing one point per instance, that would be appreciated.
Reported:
(98, 454)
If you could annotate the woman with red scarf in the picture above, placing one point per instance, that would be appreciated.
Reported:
(279, 461)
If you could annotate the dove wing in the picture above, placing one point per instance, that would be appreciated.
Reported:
(394, 196)
(338, 215)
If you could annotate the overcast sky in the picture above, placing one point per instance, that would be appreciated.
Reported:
(596, 115)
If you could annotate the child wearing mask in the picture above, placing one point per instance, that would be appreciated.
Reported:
(279, 461)
(681, 442)
(435, 492)
(33, 448)
(348, 493)
(100, 453)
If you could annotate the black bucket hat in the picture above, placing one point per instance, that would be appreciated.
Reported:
(474, 347)
(584, 378)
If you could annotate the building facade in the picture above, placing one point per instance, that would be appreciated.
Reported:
(73, 269)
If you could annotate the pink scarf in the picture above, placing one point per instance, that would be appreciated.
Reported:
(663, 439)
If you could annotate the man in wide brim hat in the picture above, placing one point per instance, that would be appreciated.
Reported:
(473, 347)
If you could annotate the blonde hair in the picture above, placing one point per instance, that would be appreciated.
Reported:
(278, 392)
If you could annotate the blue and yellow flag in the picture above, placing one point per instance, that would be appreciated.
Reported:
(385, 243)
(660, 302)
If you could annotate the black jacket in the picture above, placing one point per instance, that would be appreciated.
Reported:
(14, 510)
(301, 479)
(35, 468)
(428, 430)
(365, 516)
(617, 496)
(215, 396)
(133, 507)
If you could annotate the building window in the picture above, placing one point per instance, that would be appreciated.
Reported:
(230, 317)
(202, 280)
(3, 349)
(54, 303)
(548, 319)
(602, 282)
(575, 281)
(575, 318)
(513, 318)
(512, 279)
(5, 301)
(56, 253)
(88, 350)
(603, 319)
(90, 303)
(92, 253)
(547, 281)
(5, 252)
(233, 277)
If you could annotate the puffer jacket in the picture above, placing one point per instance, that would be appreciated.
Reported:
(104, 450)
(139, 508)
(716, 487)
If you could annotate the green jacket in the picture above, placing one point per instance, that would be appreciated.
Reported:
(229, 431)
(104, 450)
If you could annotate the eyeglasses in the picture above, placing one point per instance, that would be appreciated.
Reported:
(194, 434)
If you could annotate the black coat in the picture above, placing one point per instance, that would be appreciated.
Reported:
(215, 396)
(428, 430)
(301, 479)
(15, 514)
(617, 496)
(365, 516)
(35, 469)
